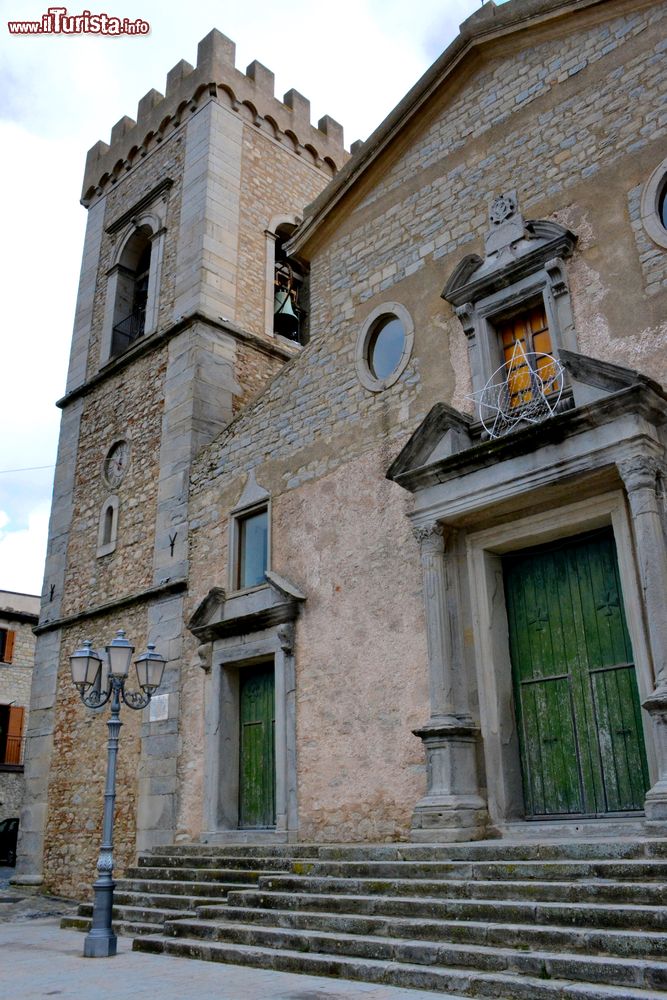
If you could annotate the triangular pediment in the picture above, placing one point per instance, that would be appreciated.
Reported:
(444, 432)
(240, 613)
(592, 378)
(534, 244)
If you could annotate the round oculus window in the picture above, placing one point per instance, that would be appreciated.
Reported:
(386, 346)
(653, 205)
(662, 205)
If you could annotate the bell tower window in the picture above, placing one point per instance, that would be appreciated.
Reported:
(288, 281)
(131, 292)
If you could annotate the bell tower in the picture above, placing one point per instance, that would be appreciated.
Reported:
(174, 334)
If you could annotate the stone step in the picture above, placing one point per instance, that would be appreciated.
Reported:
(140, 914)
(187, 874)
(490, 850)
(182, 887)
(462, 982)
(650, 893)
(653, 918)
(163, 899)
(644, 974)
(238, 850)
(590, 941)
(227, 861)
(643, 870)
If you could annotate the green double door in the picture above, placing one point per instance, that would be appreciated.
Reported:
(257, 769)
(578, 713)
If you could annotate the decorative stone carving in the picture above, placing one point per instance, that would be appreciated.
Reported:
(204, 656)
(502, 208)
(639, 472)
(285, 635)
(430, 535)
(466, 314)
(557, 277)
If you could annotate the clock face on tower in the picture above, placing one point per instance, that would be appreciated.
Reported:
(116, 463)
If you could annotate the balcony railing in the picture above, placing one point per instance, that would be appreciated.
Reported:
(127, 331)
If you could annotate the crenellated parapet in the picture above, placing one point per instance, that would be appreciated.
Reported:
(250, 95)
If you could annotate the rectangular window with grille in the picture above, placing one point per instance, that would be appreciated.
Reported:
(11, 733)
(525, 344)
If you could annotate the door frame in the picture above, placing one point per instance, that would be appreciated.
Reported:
(491, 632)
(230, 656)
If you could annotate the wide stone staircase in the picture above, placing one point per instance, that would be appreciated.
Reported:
(562, 919)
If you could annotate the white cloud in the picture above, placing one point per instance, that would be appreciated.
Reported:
(22, 552)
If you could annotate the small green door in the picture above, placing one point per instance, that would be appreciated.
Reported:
(257, 772)
(578, 713)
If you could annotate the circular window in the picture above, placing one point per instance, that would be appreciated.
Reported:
(654, 205)
(662, 205)
(384, 346)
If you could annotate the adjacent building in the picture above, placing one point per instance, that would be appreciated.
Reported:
(19, 613)
(373, 449)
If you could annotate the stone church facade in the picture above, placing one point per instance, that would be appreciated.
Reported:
(404, 545)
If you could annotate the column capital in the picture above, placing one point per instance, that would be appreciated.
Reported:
(431, 536)
(639, 472)
(286, 637)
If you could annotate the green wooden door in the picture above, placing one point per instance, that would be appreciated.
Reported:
(578, 713)
(257, 771)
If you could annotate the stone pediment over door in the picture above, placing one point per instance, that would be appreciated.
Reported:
(610, 402)
(221, 614)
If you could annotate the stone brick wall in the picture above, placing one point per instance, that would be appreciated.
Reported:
(123, 407)
(12, 785)
(78, 769)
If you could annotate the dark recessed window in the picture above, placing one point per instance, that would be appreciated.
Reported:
(253, 531)
(386, 346)
(662, 205)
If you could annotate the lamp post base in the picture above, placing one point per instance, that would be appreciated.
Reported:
(100, 944)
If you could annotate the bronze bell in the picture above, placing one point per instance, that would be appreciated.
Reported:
(285, 319)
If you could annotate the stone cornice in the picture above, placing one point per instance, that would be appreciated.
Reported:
(640, 399)
(139, 597)
(144, 345)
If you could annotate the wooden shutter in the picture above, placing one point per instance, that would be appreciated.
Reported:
(14, 733)
(9, 646)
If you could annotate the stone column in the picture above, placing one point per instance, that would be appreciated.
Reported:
(639, 474)
(452, 809)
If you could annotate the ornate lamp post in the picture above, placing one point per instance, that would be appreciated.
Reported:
(86, 668)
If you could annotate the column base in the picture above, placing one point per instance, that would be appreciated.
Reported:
(449, 820)
(27, 880)
(452, 809)
(655, 803)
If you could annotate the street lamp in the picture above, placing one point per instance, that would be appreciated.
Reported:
(86, 667)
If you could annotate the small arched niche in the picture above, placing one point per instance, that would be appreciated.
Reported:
(107, 532)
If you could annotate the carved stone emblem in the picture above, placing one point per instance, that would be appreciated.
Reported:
(502, 208)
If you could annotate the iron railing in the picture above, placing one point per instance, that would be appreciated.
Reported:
(127, 331)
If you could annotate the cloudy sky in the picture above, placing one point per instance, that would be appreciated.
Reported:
(354, 60)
